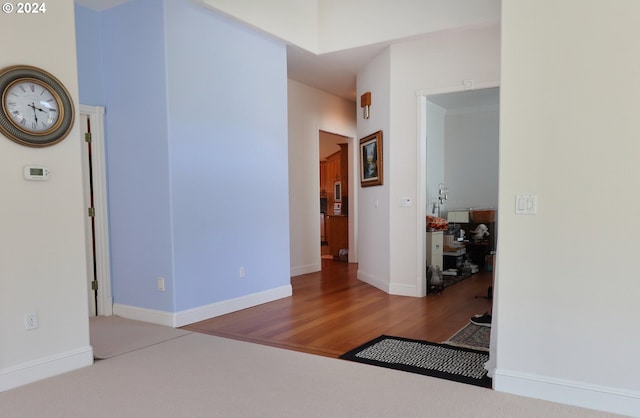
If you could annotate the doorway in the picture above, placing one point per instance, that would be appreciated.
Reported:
(335, 191)
(459, 139)
(96, 211)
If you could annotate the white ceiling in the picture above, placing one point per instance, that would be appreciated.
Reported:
(334, 73)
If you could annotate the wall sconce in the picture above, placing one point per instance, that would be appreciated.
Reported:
(365, 102)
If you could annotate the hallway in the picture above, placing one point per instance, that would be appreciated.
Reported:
(332, 312)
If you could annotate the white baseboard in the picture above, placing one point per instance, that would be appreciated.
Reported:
(568, 392)
(45, 367)
(201, 313)
(403, 290)
(373, 281)
(390, 288)
(146, 315)
(309, 268)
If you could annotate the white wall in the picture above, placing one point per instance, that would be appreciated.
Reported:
(312, 110)
(373, 201)
(42, 245)
(435, 158)
(351, 23)
(568, 288)
(471, 158)
(437, 64)
(293, 20)
(322, 26)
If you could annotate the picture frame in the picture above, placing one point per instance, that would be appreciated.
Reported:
(371, 169)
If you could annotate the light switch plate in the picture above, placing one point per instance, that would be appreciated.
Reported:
(526, 204)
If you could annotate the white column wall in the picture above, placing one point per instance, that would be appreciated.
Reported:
(42, 243)
(567, 285)
(437, 64)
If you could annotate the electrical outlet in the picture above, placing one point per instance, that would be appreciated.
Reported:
(242, 273)
(31, 320)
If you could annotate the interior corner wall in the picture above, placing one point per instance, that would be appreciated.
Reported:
(568, 296)
(137, 154)
(311, 110)
(295, 21)
(42, 244)
(189, 198)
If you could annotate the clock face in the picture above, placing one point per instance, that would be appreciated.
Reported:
(36, 109)
(31, 106)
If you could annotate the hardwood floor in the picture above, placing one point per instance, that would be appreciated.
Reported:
(332, 312)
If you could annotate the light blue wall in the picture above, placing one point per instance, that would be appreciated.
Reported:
(89, 51)
(196, 152)
(138, 154)
(228, 147)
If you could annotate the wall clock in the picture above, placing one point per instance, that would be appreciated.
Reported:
(37, 110)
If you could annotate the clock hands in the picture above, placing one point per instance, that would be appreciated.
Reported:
(33, 106)
(35, 114)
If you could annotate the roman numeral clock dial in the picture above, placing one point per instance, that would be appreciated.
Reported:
(37, 110)
(31, 105)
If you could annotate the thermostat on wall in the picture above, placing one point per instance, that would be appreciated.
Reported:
(35, 172)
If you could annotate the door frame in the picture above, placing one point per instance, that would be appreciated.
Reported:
(95, 115)
(421, 145)
(352, 188)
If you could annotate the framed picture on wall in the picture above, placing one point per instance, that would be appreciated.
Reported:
(371, 160)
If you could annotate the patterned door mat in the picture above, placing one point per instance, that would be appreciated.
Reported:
(471, 336)
(437, 360)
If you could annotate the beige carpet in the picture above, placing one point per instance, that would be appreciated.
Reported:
(199, 375)
(113, 335)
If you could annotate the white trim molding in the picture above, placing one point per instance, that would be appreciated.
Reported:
(568, 392)
(374, 281)
(404, 289)
(189, 316)
(143, 314)
(45, 367)
(224, 307)
(309, 268)
(101, 219)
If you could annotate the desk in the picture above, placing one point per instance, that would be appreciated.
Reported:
(453, 257)
(478, 251)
